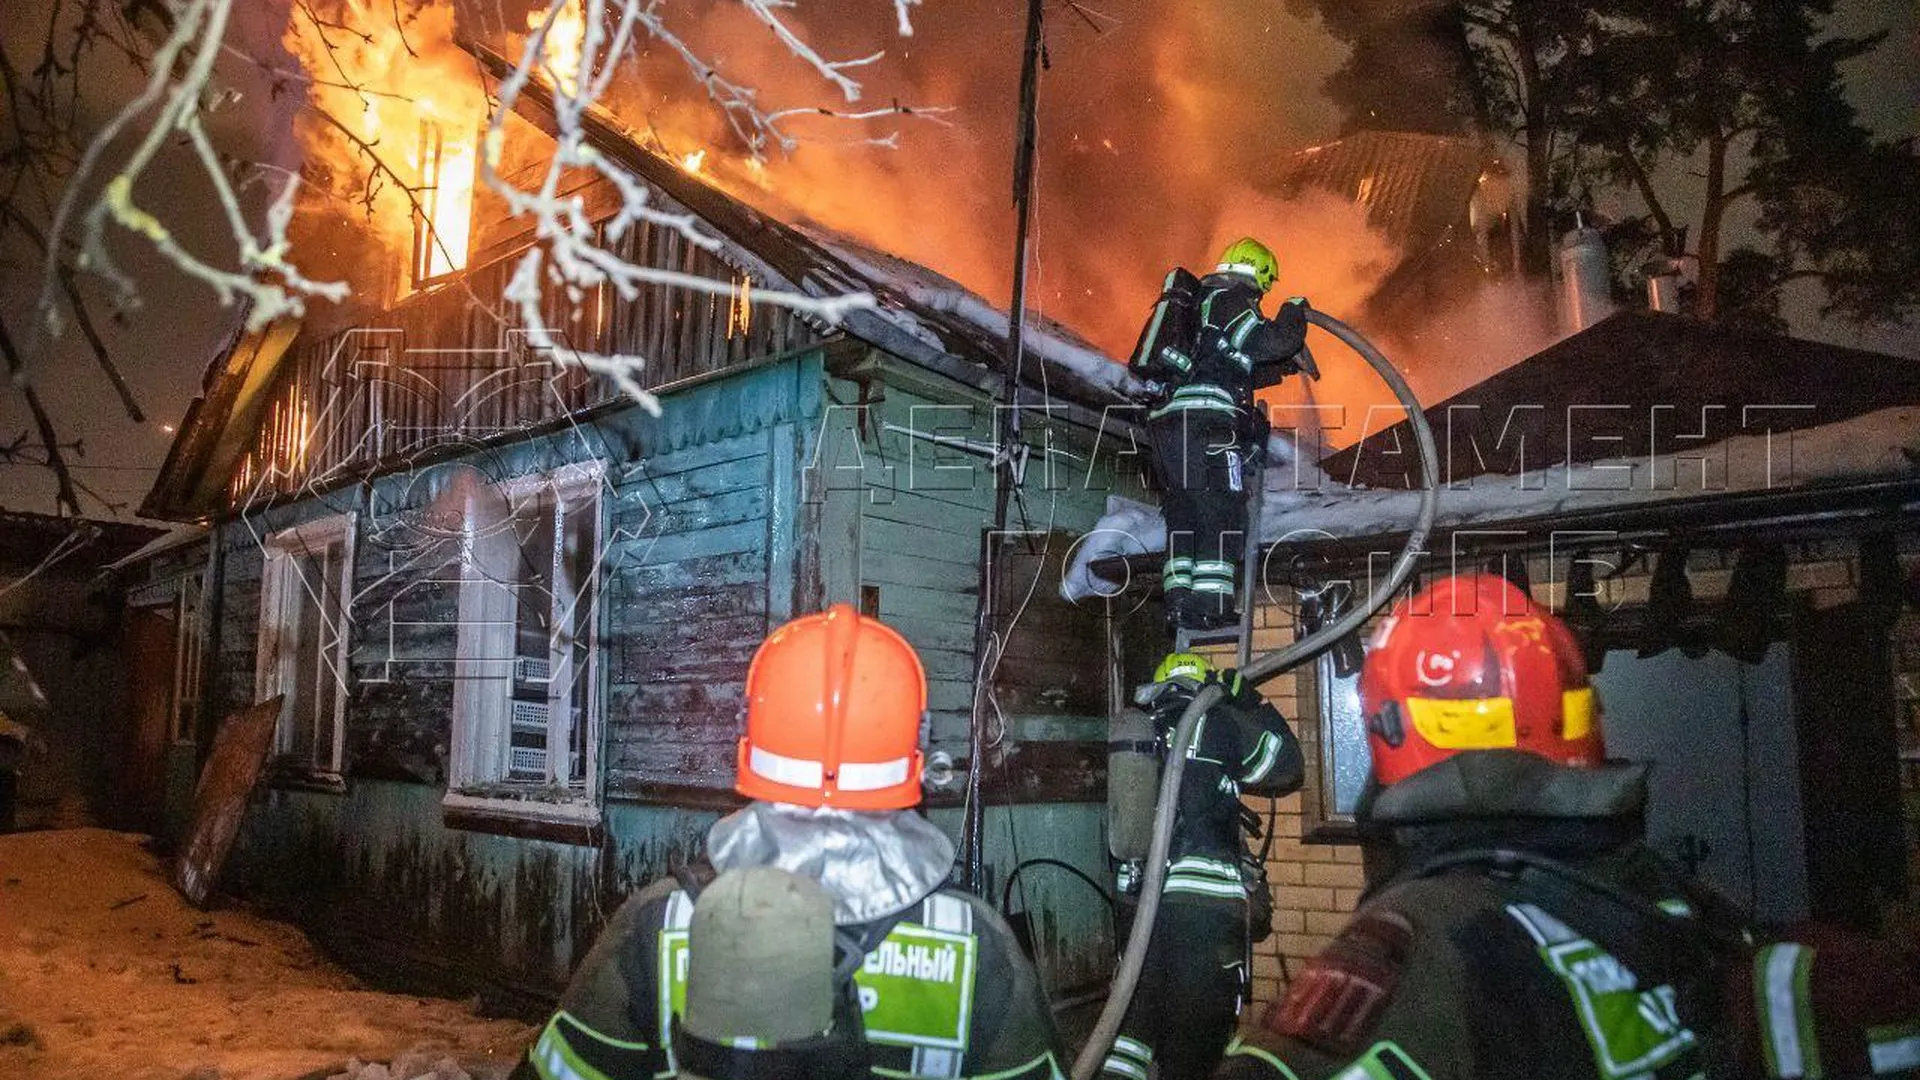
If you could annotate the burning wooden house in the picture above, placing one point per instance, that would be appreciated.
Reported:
(511, 611)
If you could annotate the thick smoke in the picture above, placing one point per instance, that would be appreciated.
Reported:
(1161, 129)
(1157, 125)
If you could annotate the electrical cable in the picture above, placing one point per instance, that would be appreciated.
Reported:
(1006, 890)
(1133, 960)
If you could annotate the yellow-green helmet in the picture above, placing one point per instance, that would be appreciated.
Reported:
(1252, 258)
(1183, 665)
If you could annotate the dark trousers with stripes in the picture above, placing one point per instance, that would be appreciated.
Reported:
(1184, 1008)
(1200, 468)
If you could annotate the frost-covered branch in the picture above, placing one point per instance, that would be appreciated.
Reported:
(905, 24)
(832, 71)
(572, 251)
(754, 125)
(270, 285)
(567, 252)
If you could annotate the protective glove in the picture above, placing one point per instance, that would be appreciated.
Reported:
(1149, 392)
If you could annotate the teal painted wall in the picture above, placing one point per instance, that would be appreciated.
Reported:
(410, 902)
(903, 516)
(726, 515)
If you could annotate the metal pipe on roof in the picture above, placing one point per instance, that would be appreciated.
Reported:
(1586, 293)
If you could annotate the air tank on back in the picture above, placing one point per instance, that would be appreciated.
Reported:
(1133, 785)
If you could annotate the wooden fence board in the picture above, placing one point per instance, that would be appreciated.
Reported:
(239, 752)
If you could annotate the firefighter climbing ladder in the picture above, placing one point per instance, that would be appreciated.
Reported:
(1242, 633)
(1256, 670)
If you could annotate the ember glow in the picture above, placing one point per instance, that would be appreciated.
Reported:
(446, 169)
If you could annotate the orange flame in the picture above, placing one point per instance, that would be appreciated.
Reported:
(394, 119)
(693, 161)
(565, 44)
(449, 174)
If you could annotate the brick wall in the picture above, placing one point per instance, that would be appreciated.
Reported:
(1316, 885)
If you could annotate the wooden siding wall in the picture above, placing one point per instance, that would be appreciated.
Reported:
(911, 513)
(453, 364)
(689, 605)
(724, 516)
(700, 522)
(901, 521)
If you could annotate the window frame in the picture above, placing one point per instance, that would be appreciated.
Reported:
(431, 149)
(1322, 820)
(480, 729)
(281, 584)
(189, 651)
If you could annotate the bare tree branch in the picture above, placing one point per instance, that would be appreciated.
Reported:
(566, 251)
(68, 498)
(271, 284)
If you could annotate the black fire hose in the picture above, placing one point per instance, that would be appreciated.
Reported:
(1127, 977)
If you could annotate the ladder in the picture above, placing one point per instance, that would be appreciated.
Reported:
(1242, 634)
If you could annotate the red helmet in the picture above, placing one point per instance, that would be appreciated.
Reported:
(1471, 663)
(834, 704)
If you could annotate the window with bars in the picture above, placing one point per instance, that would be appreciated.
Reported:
(526, 701)
(304, 621)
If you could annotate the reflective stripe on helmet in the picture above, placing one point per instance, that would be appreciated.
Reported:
(825, 690)
(873, 775)
(1464, 724)
(781, 769)
(1248, 269)
(1576, 712)
(853, 775)
(1182, 665)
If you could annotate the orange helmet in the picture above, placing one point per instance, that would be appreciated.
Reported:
(1472, 664)
(834, 704)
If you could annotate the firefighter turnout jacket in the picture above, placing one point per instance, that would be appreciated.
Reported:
(1462, 966)
(1242, 744)
(943, 988)
(1188, 997)
(1526, 931)
(1236, 349)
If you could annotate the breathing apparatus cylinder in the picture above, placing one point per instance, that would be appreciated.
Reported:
(761, 985)
(1133, 785)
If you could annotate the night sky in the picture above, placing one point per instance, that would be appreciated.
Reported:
(164, 347)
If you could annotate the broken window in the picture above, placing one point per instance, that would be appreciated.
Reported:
(306, 578)
(526, 696)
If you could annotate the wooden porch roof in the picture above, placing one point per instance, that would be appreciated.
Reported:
(1639, 384)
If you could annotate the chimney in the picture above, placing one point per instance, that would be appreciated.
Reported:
(1586, 294)
(1665, 275)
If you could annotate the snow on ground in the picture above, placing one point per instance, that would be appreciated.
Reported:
(105, 972)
